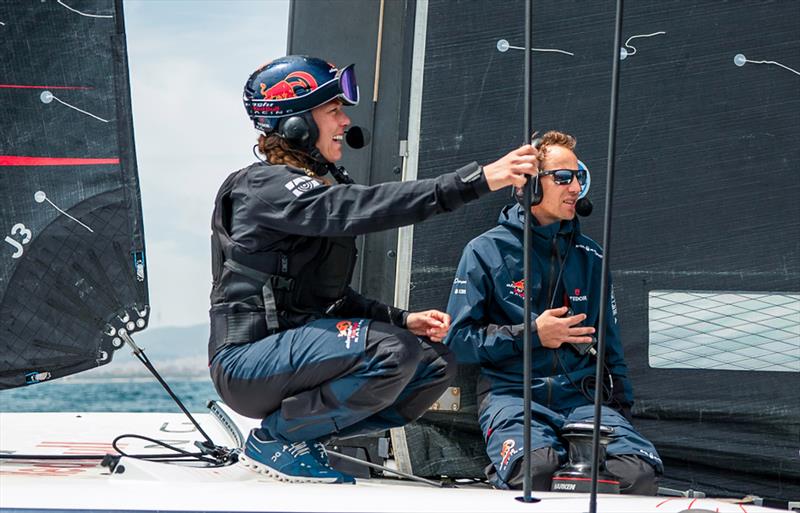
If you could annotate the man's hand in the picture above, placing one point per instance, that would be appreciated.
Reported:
(554, 330)
(430, 323)
(513, 168)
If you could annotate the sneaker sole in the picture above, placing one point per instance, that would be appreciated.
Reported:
(279, 476)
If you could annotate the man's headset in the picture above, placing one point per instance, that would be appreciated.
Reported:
(583, 207)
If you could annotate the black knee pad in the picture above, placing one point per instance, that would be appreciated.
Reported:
(636, 476)
(544, 461)
(450, 361)
(396, 346)
(446, 358)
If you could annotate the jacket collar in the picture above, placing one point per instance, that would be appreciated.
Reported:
(513, 217)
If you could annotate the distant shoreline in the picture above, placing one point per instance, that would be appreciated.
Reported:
(78, 379)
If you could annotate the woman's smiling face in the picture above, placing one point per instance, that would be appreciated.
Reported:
(331, 122)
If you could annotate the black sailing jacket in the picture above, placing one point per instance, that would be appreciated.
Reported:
(281, 237)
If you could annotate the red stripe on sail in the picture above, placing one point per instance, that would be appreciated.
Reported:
(20, 86)
(8, 160)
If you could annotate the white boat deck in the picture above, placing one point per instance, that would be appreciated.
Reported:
(84, 485)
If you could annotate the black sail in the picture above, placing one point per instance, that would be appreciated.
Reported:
(72, 258)
(706, 258)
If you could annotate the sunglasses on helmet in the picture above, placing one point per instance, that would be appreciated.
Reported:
(564, 176)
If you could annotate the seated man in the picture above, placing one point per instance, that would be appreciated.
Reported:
(486, 304)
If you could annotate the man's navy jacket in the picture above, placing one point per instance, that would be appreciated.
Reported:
(486, 303)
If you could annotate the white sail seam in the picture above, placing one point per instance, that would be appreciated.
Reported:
(83, 13)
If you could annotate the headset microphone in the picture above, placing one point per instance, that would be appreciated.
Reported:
(357, 137)
(584, 207)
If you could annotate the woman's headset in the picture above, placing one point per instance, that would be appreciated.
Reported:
(299, 130)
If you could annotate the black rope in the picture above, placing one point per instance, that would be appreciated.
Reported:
(437, 484)
(185, 454)
(209, 452)
(171, 457)
(68, 457)
(139, 353)
(588, 382)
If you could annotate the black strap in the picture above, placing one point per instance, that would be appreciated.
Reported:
(251, 273)
(270, 308)
(269, 281)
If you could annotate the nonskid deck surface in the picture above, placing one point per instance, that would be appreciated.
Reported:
(84, 485)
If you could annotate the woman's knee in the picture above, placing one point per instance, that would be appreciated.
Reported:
(250, 398)
(441, 362)
(448, 358)
(397, 349)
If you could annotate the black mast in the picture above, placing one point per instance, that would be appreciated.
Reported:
(601, 323)
(527, 350)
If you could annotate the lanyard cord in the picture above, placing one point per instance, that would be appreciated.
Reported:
(562, 264)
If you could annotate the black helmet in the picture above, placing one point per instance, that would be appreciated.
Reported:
(293, 85)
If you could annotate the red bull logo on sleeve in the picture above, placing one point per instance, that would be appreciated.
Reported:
(507, 452)
(295, 84)
(349, 330)
(517, 288)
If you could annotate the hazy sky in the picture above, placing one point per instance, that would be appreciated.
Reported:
(189, 60)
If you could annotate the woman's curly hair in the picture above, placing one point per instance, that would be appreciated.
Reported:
(277, 151)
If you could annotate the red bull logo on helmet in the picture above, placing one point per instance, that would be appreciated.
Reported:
(266, 108)
(295, 84)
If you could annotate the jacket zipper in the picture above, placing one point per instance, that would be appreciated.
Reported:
(550, 295)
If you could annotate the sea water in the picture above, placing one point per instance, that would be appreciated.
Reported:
(138, 395)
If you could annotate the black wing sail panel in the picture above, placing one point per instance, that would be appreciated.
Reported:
(705, 211)
(72, 256)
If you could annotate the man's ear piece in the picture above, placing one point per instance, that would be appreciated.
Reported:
(585, 186)
(536, 193)
(533, 182)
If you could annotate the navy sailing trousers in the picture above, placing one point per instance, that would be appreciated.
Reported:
(501, 419)
(333, 377)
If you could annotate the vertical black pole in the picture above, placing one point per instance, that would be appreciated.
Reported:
(527, 349)
(601, 323)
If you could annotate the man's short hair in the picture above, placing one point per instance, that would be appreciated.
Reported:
(555, 138)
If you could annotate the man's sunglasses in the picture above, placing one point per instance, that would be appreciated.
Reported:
(564, 176)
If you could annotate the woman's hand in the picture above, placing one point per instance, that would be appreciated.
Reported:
(513, 168)
(430, 323)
